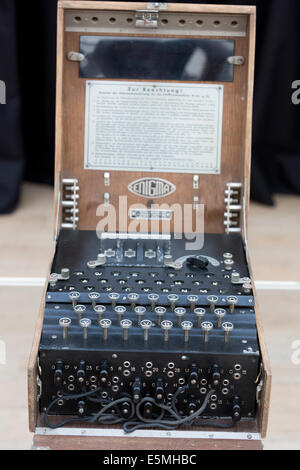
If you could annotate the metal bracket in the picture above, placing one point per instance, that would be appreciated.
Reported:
(69, 203)
(236, 60)
(233, 207)
(146, 18)
(74, 56)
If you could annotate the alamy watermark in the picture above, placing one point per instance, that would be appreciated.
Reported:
(295, 358)
(296, 93)
(2, 92)
(2, 353)
(187, 220)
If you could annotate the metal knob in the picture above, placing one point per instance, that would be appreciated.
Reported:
(228, 263)
(199, 312)
(74, 296)
(227, 255)
(99, 309)
(85, 323)
(64, 323)
(206, 326)
(173, 298)
(247, 287)
(166, 326)
(79, 309)
(192, 299)
(227, 327)
(133, 298)
(53, 278)
(125, 324)
(146, 325)
(186, 326)
(113, 297)
(140, 312)
(120, 310)
(232, 301)
(160, 311)
(94, 296)
(105, 323)
(153, 298)
(220, 314)
(65, 274)
(212, 300)
(179, 312)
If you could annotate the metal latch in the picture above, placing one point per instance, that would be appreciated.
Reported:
(236, 60)
(146, 19)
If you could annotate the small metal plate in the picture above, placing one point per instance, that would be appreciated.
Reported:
(150, 214)
(185, 24)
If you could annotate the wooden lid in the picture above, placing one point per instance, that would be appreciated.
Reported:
(79, 23)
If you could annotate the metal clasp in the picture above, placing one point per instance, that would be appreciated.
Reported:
(236, 60)
(146, 19)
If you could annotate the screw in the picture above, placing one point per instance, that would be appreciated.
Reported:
(173, 298)
(64, 323)
(220, 314)
(85, 323)
(227, 327)
(206, 326)
(186, 326)
(153, 300)
(140, 312)
(114, 297)
(160, 311)
(74, 296)
(199, 312)
(179, 312)
(192, 299)
(146, 325)
(99, 309)
(125, 324)
(212, 300)
(133, 299)
(105, 323)
(94, 296)
(166, 326)
(232, 301)
(120, 310)
(79, 309)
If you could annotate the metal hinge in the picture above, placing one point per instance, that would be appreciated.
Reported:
(69, 203)
(258, 391)
(39, 388)
(233, 208)
(146, 18)
(236, 60)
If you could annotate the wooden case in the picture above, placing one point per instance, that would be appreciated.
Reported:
(76, 18)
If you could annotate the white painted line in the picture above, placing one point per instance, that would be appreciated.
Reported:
(277, 285)
(22, 281)
(96, 432)
(40, 281)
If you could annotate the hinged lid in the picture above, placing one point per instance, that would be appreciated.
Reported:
(154, 105)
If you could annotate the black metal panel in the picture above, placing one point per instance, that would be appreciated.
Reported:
(156, 58)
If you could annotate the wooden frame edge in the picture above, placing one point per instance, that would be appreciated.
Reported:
(176, 7)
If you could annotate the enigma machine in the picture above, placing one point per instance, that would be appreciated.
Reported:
(149, 318)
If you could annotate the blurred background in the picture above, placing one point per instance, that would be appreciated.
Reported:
(27, 66)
